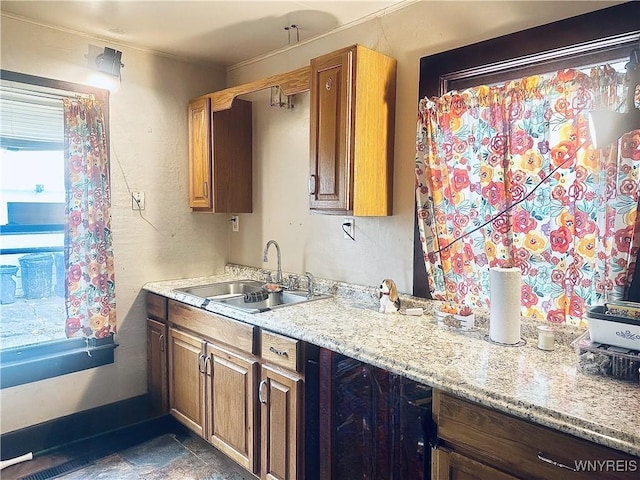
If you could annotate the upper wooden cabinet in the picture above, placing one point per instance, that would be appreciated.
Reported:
(353, 93)
(220, 157)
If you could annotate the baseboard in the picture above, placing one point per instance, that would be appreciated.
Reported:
(63, 432)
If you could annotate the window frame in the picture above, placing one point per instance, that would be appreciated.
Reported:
(591, 38)
(29, 363)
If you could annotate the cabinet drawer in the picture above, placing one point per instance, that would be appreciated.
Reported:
(221, 329)
(516, 446)
(281, 351)
(156, 307)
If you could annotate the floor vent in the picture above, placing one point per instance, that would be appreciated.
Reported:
(58, 470)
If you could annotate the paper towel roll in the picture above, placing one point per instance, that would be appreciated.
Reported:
(504, 309)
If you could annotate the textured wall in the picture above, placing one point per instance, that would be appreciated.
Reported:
(148, 118)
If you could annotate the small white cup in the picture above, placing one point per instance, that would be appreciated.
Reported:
(546, 338)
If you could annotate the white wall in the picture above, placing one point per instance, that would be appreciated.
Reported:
(383, 246)
(148, 118)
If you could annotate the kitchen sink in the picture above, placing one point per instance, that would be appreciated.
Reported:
(275, 300)
(233, 288)
(249, 295)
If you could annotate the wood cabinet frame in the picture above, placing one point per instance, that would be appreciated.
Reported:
(250, 408)
(220, 157)
(353, 92)
(472, 436)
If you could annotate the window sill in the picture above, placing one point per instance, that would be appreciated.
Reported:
(20, 365)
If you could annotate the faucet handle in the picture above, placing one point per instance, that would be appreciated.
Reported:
(267, 276)
(311, 283)
(292, 282)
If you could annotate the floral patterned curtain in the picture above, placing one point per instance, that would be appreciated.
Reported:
(480, 150)
(88, 253)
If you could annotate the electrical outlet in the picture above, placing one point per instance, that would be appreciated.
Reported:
(235, 223)
(137, 200)
(349, 228)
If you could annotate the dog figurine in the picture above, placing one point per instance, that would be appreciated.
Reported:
(389, 301)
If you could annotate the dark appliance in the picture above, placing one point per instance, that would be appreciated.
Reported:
(372, 424)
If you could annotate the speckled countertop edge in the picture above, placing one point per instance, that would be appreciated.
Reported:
(544, 387)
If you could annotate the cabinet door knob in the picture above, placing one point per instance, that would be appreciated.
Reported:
(161, 342)
(312, 184)
(328, 84)
(206, 189)
(262, 398)
(201, 358)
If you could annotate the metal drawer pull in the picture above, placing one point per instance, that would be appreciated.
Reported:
(545, 459)
(312, 185)
(207, 359)
(201, 362)
(161, 342)
(206, 189)
(263, 383)
(282, 353)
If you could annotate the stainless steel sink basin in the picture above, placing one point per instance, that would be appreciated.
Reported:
(233, 294)
(223, 289)
(275, 300)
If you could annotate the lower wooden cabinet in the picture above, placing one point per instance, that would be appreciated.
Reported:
(448, 465)
(281, 429)
(247, 405)
(186, 380)
(157, 384)
(231, 406)
(157, 368)
(473, 439)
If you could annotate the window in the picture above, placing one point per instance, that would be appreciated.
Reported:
(35, 325)
(568, 44)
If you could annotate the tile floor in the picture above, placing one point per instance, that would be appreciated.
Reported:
(170, 456)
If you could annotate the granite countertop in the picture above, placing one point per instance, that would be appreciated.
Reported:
(545, 387)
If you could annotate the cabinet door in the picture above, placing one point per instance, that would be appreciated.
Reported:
(186, 380)
(157, 367)
(200, 153)
(281, 433)
(232, 418)
(447, 465)
(331, 126)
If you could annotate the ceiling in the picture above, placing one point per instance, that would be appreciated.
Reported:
(212, 31)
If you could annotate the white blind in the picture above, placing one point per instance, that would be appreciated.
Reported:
(31, 117)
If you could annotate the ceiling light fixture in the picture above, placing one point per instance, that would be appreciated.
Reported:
(606, 126)
(110, 61)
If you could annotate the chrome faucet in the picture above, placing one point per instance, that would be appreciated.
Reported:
(265, 258)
